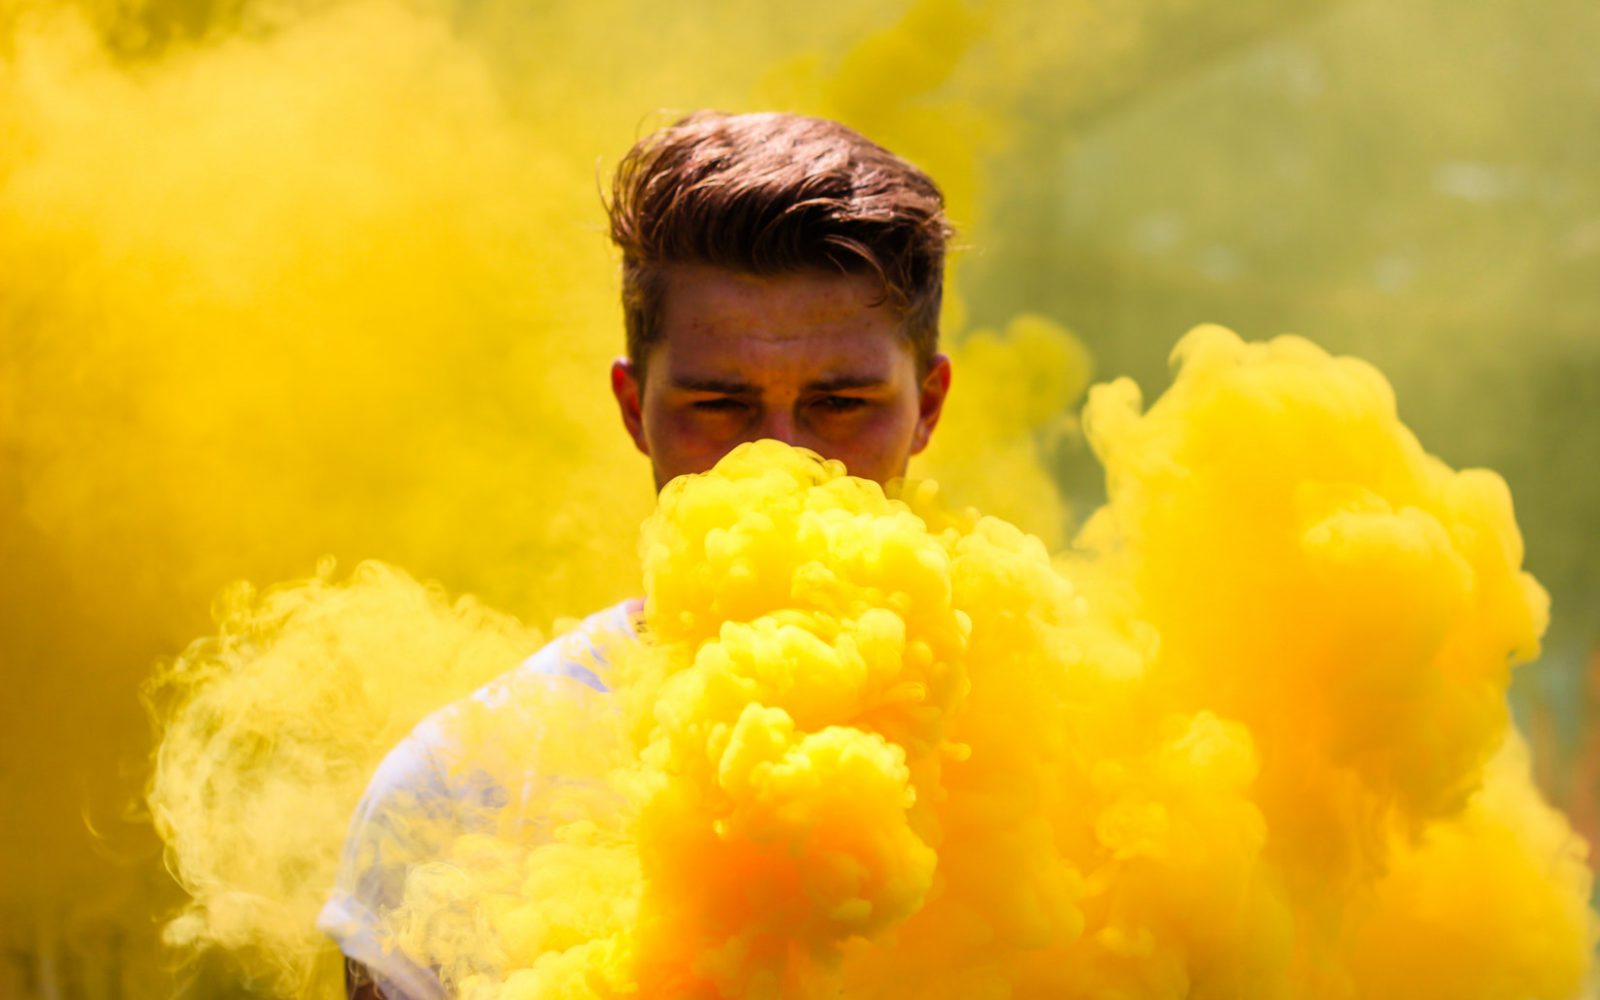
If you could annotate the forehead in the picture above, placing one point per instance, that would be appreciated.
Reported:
(717, 323)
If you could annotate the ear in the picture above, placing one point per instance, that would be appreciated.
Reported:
(625, 386)
(930, 404)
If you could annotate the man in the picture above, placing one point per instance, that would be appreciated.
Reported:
(781, 278)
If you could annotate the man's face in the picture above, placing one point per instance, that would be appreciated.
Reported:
(806, 358)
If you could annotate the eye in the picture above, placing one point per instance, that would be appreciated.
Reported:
(841, 404)
(719, 404)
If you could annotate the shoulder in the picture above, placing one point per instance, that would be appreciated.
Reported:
(445, 754)
(457, 770)
(578, 653)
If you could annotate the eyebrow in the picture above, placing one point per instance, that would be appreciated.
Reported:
(735, 387)
(847, 382)
(727, 387)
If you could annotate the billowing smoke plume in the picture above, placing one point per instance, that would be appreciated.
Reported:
(1248, 738)
(288, 278)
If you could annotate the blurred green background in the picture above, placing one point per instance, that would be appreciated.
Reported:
(1411, 182)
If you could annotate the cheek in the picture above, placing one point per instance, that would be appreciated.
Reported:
(874, 440)
(688, 431)
(878, 428)
(896, 423)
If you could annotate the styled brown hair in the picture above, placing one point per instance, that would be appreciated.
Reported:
(770, 194)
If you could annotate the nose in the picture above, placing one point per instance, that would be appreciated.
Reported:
(779, 424)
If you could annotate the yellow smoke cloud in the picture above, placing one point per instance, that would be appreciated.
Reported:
(1012, 413)
(279, 281)
(261, 299)
(286, 279)
(274, 727)
(1248, 738)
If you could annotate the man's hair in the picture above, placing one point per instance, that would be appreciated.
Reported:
(773, 194)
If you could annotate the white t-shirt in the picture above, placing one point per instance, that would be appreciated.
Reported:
(424, 778)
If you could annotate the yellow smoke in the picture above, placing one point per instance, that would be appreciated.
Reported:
(264, 300)
(1012, 413)
(279, 281)
(1248, 738)
(283, 279)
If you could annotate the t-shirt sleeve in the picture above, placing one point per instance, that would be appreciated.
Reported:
(395, 827)
(431, 789)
